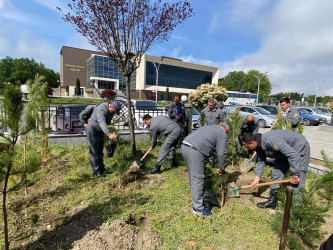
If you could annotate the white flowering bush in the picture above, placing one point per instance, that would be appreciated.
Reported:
(199, 98)
(329, 105)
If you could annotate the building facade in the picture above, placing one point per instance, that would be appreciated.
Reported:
(97, 72)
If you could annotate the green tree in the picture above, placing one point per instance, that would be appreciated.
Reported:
(77, 87)
(125, 30)
(234, 81)
(167, 94)
(11, 118)
(247, 82)
(19, 71)
(251, 84)
(38, 107)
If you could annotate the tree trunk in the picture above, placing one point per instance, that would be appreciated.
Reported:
(331, 123)
(130, 116)
(4, 205)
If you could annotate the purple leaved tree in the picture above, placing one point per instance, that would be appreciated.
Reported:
(125, 29)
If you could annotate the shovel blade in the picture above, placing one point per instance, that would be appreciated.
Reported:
(136, 164)
(246, 165)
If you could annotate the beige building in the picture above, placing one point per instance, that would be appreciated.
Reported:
(97, 72)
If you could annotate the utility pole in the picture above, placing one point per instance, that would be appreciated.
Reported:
(259, 79)
(157, 68)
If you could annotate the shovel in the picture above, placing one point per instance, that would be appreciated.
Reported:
(137, 164)
(233, 190)
(247, 164)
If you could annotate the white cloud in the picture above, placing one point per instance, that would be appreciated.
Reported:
(18, 43)
(296, 46)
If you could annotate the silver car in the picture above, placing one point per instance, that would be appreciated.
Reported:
(262, 117)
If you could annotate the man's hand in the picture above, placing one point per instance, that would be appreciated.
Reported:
(151, 148)
(177, 117)
(85, 125)
(255, 181)
(220, 171)
(112, 136)
(294, 179)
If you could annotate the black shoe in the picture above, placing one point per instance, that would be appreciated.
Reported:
(99, 174)
(155, 170)
(105, 171)
(272, 201)
(172, 163)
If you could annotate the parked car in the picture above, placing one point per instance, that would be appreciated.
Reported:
(143, 107)
(262, 117)
(68, 116)
(315, 111)
(324, 110)
(272, 109)
(195, 119)
(308, 118)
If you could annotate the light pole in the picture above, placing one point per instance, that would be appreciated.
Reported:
(157, 69)
(315, 101)
(259, 78)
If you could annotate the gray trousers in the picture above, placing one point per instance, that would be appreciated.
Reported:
(95, 144)
(282, 166)
(169, 143)
(172, 153)
(195, 163)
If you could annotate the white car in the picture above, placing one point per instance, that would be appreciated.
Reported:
(143, 107)
(262, 117)
(318, 112)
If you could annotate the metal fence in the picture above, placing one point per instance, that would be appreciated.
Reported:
(67, 117)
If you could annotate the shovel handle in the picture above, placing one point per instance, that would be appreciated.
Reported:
(144, 156)
(273, 124)
(266, 183)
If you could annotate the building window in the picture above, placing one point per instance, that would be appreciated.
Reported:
(178, 77)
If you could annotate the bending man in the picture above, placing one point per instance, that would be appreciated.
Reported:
(96, 128)
(162, 125)
(289, 149)
(200, 144)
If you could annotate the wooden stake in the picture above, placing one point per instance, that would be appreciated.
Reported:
(286, 218)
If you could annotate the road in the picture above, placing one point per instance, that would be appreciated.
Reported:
(319, 140)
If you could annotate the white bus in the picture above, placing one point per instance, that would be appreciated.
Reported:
(240, 98)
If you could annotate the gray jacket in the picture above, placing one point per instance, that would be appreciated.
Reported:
(101, 117)
(161, 125)
(208, 140)
(86, 113)
(292, 116)
(213, 117)
(172, 112)
(285, 145)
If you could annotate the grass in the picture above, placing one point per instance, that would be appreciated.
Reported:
(64, 189)
(70, 100)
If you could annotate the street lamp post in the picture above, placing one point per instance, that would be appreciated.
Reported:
(316, 86)
(157, 68)
(259, 79)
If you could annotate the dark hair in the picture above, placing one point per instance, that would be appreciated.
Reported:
(146, 117)
(248, 138)
(178, 96)
(285, 99)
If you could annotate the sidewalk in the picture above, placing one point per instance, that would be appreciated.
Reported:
(319, 140)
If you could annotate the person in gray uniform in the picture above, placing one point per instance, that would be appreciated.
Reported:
(213, 115)
(249, 126)
(197, 146)
(177, 112)
(96, 128)
(289, 149)
(162, 125)
(290, 114)
(86, 114)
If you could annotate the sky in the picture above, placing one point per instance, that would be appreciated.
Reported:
(292, 40)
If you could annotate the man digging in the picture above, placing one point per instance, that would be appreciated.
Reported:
(162, 125)
(196, 147)
(289, 149)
